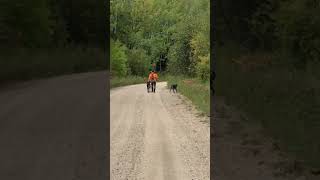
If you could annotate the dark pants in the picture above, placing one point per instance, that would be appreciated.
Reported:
(153, 85)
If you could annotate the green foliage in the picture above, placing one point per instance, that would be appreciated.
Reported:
(137, 61)
(166, 30)
(124, 81)
(118, 59)
(203, 68)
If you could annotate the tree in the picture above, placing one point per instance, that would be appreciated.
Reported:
(173, 34)
(137, 59)
(119, 66)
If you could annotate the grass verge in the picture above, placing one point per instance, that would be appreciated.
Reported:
(124, 81)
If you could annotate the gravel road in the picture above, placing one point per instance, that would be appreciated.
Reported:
(158, 136)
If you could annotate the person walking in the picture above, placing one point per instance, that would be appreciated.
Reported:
(153, 78)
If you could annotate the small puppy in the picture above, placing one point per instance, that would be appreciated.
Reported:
(173, 87)
(148, 85)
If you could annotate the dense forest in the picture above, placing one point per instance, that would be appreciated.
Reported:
(268, 66)
(49, 37)
(174, 35)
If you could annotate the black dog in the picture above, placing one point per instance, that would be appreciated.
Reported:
(148, 85)
(173, 87)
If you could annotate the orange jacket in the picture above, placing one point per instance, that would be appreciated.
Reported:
(153, 76)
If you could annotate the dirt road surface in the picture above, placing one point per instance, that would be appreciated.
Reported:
(55, 129)
(157, 136)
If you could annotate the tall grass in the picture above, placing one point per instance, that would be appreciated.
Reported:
(286, 102)
(124, 81)
(30, 64)
(194, 89)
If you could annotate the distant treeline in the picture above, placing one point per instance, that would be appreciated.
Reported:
(173, 34)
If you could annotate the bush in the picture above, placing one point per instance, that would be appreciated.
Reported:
(138, 62)
(203, 68)
(119, 60)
